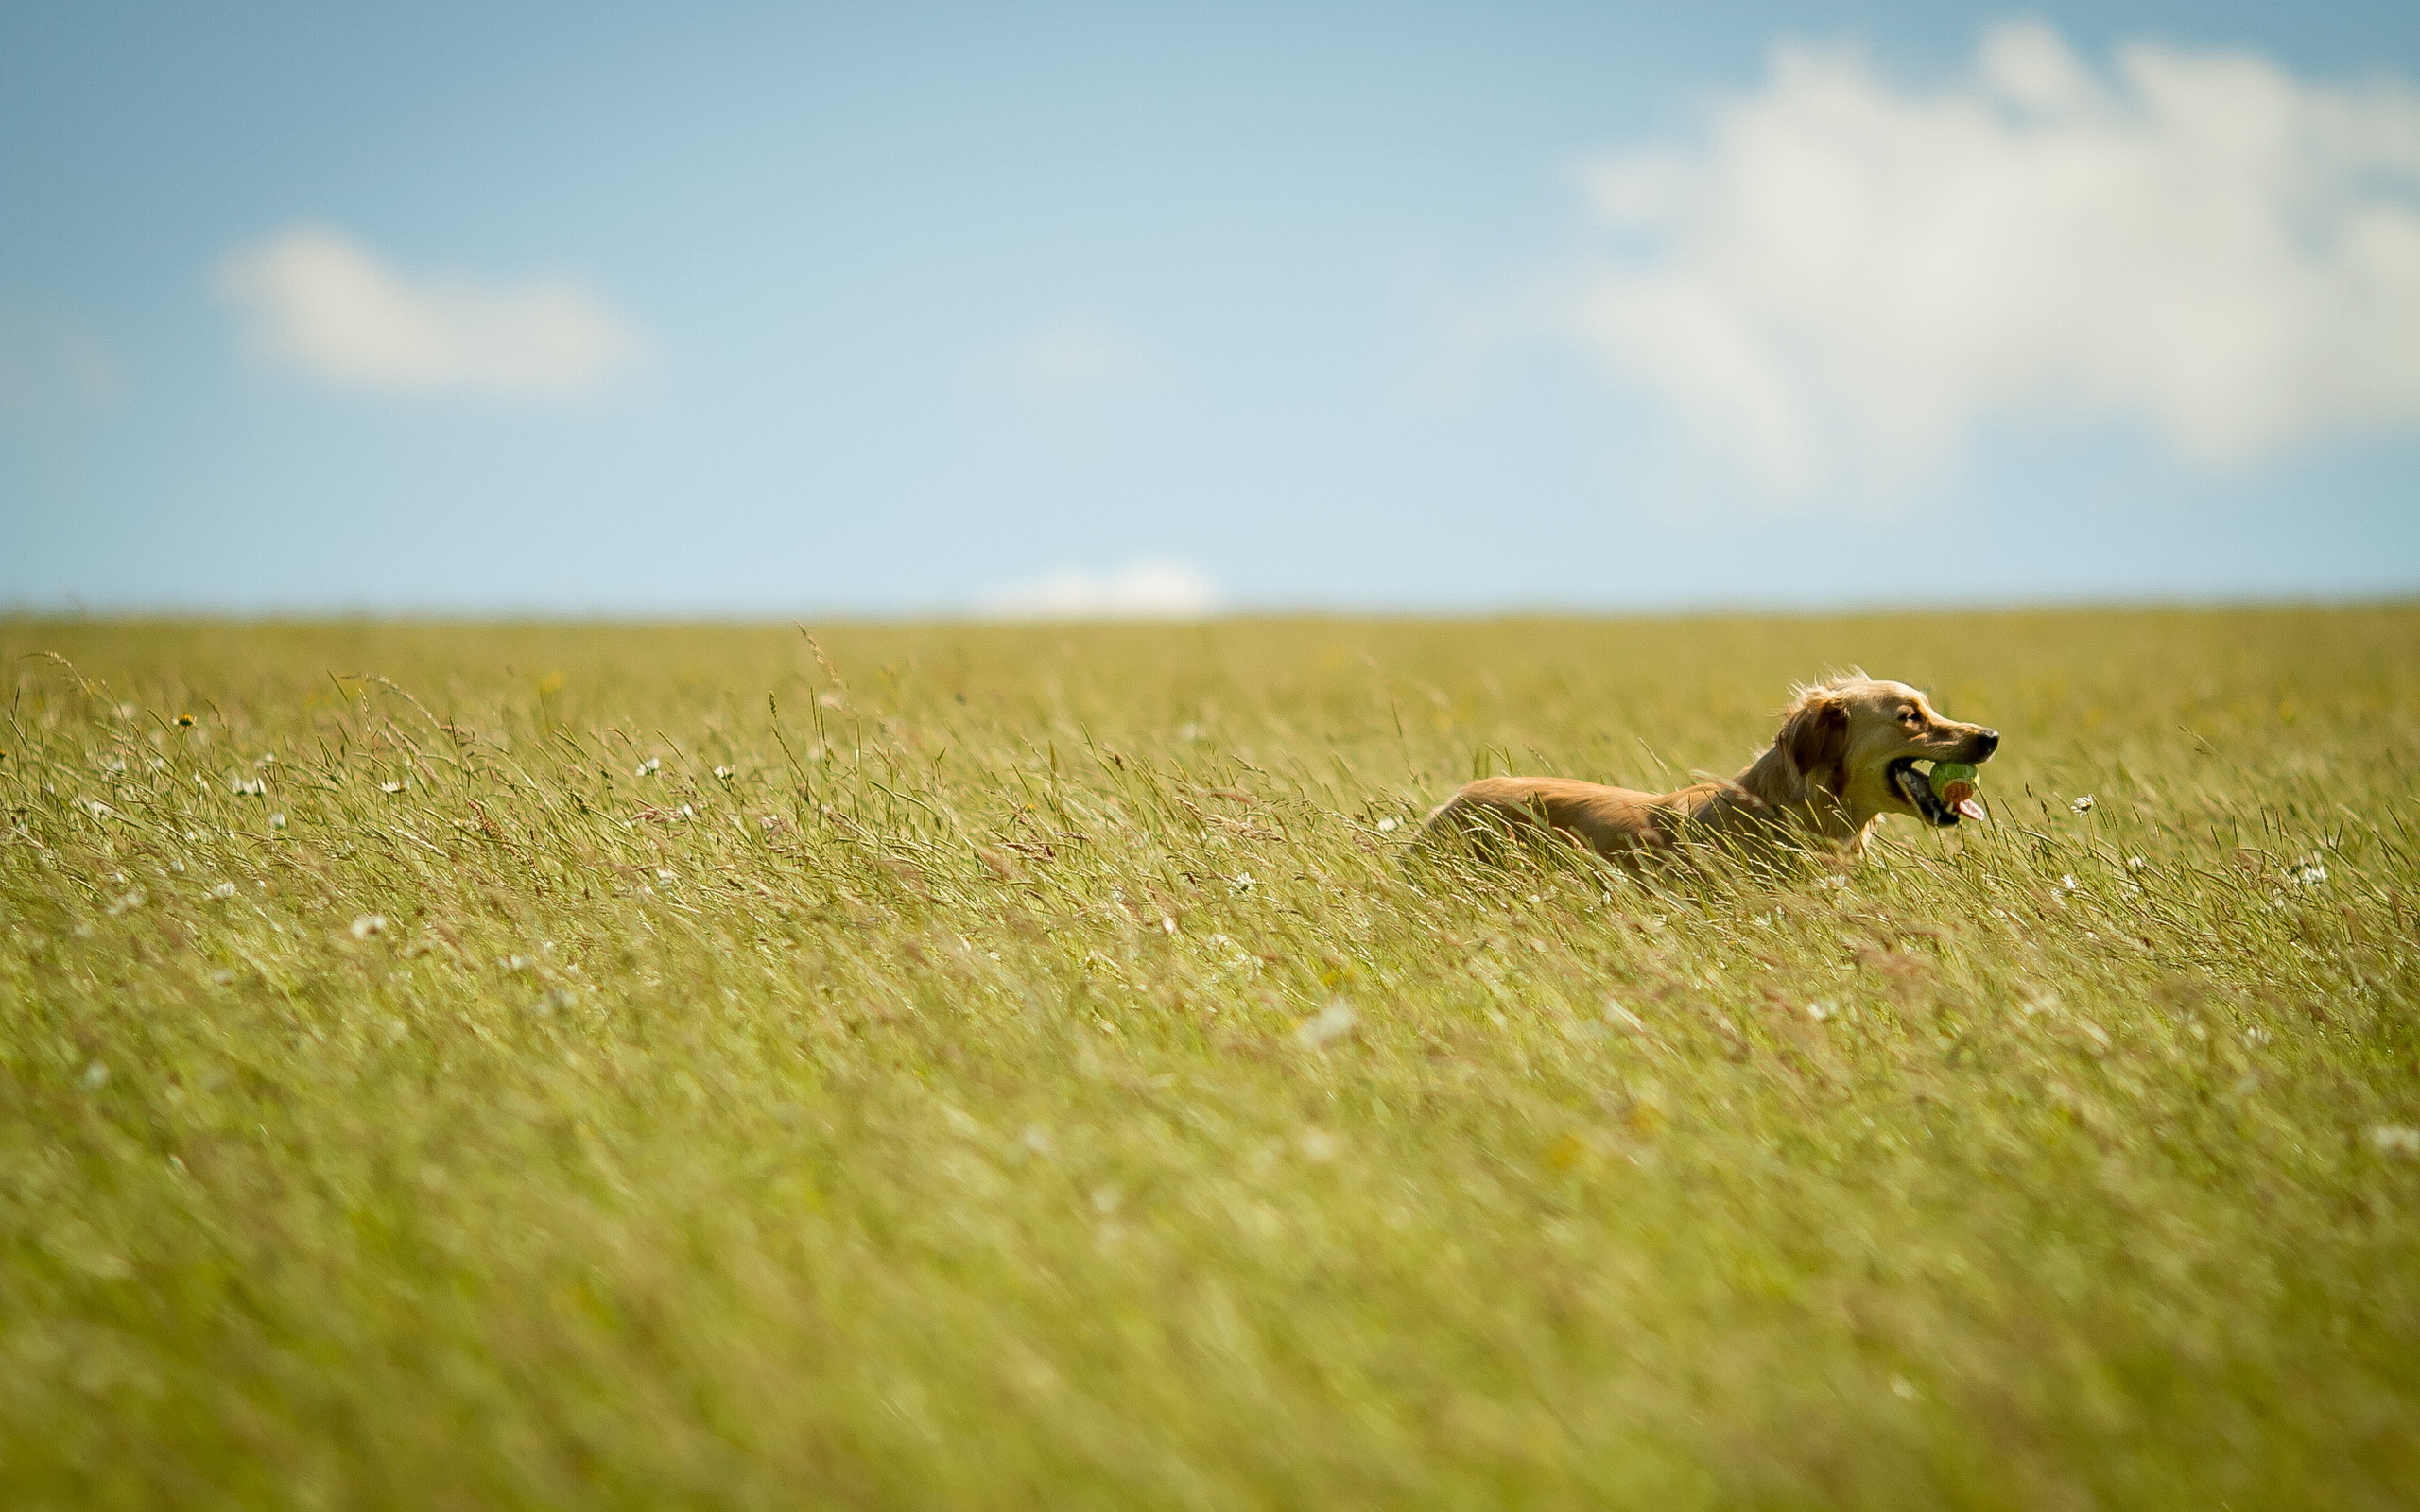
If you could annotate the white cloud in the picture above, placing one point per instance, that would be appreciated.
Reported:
(1071, 360)
(1844, 280)
(316, 300)
(1153, 588)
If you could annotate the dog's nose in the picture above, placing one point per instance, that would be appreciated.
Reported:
(1986, 742)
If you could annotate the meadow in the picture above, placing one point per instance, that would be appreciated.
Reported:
(510, 1066)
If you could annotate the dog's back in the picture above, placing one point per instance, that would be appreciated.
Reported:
(1613, 821)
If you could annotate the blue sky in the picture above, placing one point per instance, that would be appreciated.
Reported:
(739, 310)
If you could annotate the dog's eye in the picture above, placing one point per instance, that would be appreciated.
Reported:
(1908, 715)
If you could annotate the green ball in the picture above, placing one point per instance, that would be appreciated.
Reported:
(1943, 772)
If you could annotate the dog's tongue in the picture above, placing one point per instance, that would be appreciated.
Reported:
(1971, 808)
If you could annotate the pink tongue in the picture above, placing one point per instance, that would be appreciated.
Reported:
(1971, 808)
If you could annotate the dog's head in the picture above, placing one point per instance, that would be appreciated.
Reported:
(1860, 739)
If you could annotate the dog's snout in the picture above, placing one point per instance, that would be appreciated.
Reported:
(1985, 741)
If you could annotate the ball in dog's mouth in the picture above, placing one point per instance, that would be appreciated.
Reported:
(1917, 787)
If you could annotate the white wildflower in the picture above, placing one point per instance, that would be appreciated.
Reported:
(2136, 864)
(248, 787)
(724, 772)
(2396, 1139)
(646, 769)
(2083, 803)
(98, 809)
(1389, 826)
(95, 1077)
(2311, 874)
(665, 874)
(368, 924)
(1241, 882)
(1330, 1023)
(277, 822)
(1818, 1010)
(225, 890)
(2067, 881)
(390, 787)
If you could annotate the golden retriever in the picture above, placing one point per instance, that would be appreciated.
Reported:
(1844, 758)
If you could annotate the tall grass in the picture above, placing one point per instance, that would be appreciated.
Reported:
(529, 1066)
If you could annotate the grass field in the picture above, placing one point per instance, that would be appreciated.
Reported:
(947, 1066)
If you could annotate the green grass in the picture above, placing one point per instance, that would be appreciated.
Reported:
(1016, 1067)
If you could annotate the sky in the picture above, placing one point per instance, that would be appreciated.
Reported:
(1075, 310)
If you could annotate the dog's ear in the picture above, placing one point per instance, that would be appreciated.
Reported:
(1816, 739)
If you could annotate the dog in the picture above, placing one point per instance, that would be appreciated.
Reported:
(1844, 758)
